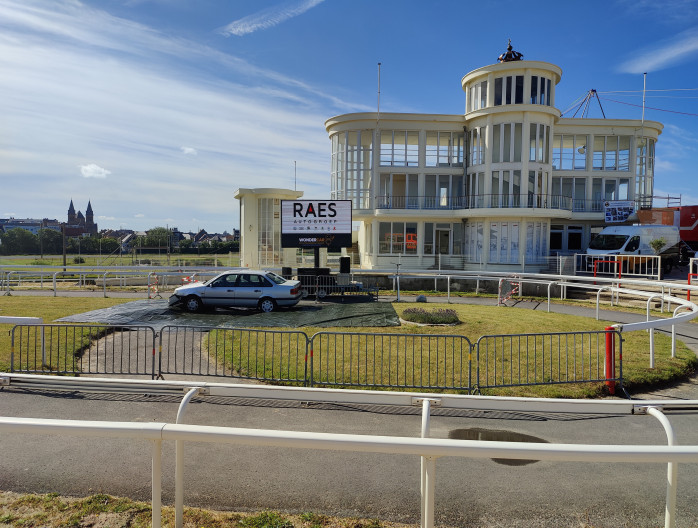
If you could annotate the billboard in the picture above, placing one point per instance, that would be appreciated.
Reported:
(316, 223)
(618, 211)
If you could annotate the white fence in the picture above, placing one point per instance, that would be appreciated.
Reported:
(428, 449)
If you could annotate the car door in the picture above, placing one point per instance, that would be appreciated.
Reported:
(221, 292)
(251, 288)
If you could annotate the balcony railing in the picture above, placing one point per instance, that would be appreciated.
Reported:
(489, 201)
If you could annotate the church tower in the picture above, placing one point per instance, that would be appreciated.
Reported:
(72, 218)
(89, 215)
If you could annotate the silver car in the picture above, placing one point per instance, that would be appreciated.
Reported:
(240, 288)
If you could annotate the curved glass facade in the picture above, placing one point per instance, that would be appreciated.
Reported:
(352, 165)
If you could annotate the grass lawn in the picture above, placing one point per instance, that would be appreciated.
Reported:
(476, 321)
(389, 358)
(49, 309)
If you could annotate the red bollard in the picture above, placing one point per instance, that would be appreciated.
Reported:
(688, 294)
(610, 360)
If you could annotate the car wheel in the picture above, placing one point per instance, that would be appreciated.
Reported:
(192, 304)
(321, 293)
(267, 305)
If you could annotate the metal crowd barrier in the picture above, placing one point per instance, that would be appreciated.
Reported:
(265, 355)
(85, 349)
(331, 359)
(391, 360)
(545, 358)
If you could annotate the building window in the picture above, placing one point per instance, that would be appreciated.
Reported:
(351, 169)
(506, 143)
(508, 89)
(540, 90)
(397, 238)
(570, 152)
(536, 247)
(538, 143)
(473, 241)
(269, 231)
(644, 172)
(556, 233)
(537, 189)
(574, 238)
(475, 190)
(478, 96)
(611, 153)
(398, 191)
(399, 148)
(444, 149)
(569, 193)
(443, 191)
(504, 243)
(477, 146)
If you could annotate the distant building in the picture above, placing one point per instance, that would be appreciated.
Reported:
(79, 224)
(33, 225)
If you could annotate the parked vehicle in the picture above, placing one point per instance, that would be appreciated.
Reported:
(626, 243)
(263, 290)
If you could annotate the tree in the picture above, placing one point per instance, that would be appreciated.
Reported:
(158, 237)
(109, 245)
(19, 241)
(185, 246)
(51, 241)
(657, 245)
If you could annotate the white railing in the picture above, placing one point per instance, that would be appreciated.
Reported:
(428, 449)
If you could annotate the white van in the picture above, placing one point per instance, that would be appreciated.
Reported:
(635, 240)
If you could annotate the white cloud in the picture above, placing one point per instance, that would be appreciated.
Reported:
(80, 83)
(682, 48)
(270, 17)
(93, 170)
(9, 215)
(106, 218)
(139, 215)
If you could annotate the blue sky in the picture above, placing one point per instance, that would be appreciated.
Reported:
(157, 110)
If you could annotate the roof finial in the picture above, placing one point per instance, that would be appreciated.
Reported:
(510, 55)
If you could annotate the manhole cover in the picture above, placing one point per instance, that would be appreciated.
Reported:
(496, 435)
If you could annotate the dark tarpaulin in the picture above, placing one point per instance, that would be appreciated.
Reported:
(157, 313)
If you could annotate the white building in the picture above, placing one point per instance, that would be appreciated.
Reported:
(509, 182)
(260, 227)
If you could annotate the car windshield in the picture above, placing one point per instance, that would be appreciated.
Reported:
(608, 242)
(274, 277)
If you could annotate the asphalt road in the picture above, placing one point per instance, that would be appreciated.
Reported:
(469, 492)
(482, 493)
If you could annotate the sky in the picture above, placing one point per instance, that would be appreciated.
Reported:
(156, 111)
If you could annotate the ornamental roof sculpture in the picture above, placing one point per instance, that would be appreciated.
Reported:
(510, 55)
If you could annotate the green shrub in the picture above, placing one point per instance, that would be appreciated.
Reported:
(438, 316)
